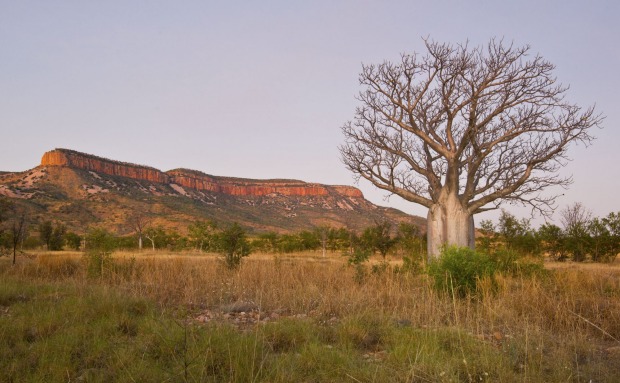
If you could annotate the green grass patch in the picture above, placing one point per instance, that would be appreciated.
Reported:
(61, 332)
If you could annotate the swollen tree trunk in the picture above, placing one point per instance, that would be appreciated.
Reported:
(449, 223)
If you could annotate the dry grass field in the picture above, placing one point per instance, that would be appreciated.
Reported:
(299, 317)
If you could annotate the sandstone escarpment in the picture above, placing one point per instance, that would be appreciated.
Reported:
(348, 191)
(73, 159)
(242, 187)
(195, 180)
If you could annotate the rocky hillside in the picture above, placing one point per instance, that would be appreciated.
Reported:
(83, 190)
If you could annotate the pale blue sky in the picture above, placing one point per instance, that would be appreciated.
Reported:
(261, 89)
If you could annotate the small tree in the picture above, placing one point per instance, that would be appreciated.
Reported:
(487, 241)
(412, 245)
(101, 240)
(46, 230)
(267, 242)
(552, 241)
(73, 240)
(233, 245)
(202, 234)
(5, 207)
(309, 240)
(612, 223)
(339, 239)
(57, 237)
(139, 223)
(288, 243)
(575, 219)
(322, 232)
(517, 234)
(155, 234)
(18, 232)
(600, 240)
(99, 244)
(378, 238)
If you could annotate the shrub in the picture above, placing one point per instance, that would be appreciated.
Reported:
(509, 262)
(458, 270)
(234, 245)
(380, 268)
(358, 256)
(97, 262)
(99, 246)
(73, 240)
(100, 240)
(357, 259)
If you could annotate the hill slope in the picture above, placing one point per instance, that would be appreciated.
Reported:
(83, 190)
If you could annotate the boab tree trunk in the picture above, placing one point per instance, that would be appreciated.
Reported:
(449, 223)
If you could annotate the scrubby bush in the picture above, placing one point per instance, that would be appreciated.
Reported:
(234, 245)
(458, 270)
(357, 259)
(97, 262)
(100, 240)
(377, 238)
(358, 256)
(513, 263)
(411, 244)
(99, 246)
(73, 240)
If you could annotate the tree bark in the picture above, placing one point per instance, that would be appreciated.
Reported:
(449, 223)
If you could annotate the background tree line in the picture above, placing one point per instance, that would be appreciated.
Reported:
(209, 236)
(581, 237)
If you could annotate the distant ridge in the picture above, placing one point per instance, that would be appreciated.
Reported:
(193, 179)
(83, 190)
(74, 159)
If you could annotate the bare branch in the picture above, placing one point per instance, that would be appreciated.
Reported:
(490, 124)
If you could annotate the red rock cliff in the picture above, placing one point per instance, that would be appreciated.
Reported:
(192, 179)
(348, 191)
(70, 158)
(243, 187)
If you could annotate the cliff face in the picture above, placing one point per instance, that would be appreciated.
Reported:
(243, 187)
(348, 191)
(69, 158)
(193, 179)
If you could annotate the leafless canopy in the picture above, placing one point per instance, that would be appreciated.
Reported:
(575, 217)
(490, 124)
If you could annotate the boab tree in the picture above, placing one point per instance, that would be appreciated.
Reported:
(139, 223)
(461, 129)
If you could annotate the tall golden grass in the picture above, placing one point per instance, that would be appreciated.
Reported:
(569, 300)
(559, 325)
(571, 314)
